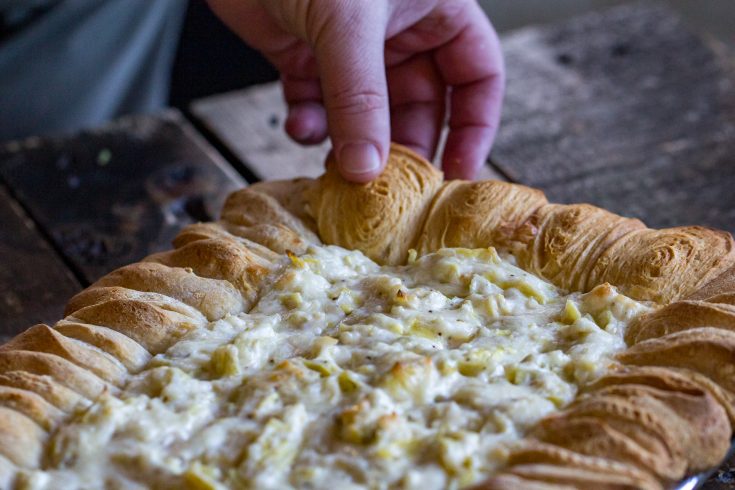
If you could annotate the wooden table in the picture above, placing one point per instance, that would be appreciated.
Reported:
(625, 109)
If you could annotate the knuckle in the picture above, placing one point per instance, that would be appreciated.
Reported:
(358, 103)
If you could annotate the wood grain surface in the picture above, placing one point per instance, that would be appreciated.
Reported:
(111, 196)
(625, 109)
(34, 282)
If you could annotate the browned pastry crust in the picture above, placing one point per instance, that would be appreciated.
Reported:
(477, 214)
(668, 409)
(64, 372)
(576, 477)
(573, 246)
(534, 452)
(676, 380)
(58, 395)
(663, 265)
(21, 439)
(214, 298)
(382, 218)
(507, 481)
(568, 241)
(621, 431)
(706, 350)
(678, 316)
(42, 338)
(724, 282)
(220, 259)
(704, 424)
(153, 320)
(260, 204)
(130, 353)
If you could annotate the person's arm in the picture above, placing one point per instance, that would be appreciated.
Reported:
(368, 71)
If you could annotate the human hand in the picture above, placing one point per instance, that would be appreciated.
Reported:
(368, 71)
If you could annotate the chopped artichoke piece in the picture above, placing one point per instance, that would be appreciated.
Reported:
(348, 382)
(571, 313)
(276, 446)
(291, 300)
(352, 426)
(321, 366)
(225, 361)
(203, 477)
(604, 319)
(295, 260)
(419, 329)
(409, 380)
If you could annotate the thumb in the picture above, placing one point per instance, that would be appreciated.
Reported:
(349, 50)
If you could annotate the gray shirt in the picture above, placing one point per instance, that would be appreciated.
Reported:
(70, 64)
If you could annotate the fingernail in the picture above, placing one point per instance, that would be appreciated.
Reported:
(359, 158)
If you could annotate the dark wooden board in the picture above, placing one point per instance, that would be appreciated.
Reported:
(34, 282)
(250, 124)
(110, 196)
(626, 109)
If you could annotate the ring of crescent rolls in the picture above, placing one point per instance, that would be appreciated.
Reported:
(666, 410)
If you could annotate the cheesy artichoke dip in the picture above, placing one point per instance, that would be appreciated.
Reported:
(347, 375)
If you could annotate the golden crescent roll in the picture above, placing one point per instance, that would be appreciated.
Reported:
(42, 338)
(682, 381)
(706, 350)
(204, 231)
(213, 297)
(581, 478)
(250, 207)
(21, 439)
(678, 316)
(704, 423)
(477, 214)
(594, 437)
(292, 196)
(530, 451)
(507, 481)
(724, 298)
(276, 237)
(217, 258)
(32, 406)
(153, 320)
(645, 422)
(568, 240)
(663, 265)
(64, 372)
(381, 218)
(46, 387)
(722, 283)
(130, 353)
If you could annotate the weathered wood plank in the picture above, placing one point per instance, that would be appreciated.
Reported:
(250, 124)
(672, 191)
(616, 88)
(626, 109)
(110, 196)
(34, 282)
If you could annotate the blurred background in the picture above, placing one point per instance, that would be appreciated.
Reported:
(713, 17)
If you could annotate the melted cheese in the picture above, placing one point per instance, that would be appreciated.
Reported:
(346, 375)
